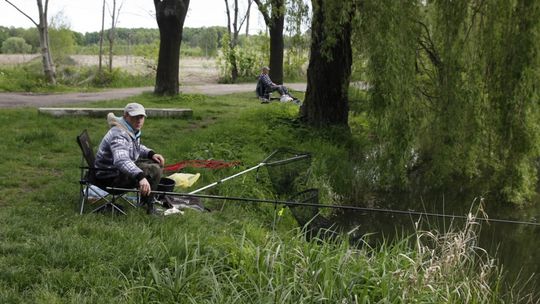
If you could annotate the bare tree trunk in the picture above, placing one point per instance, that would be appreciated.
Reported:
(234, 27)
(111, 35)
(100, 66)
(234, 43)
(247, 17)
(43, 29)
(170, 16)
(228, 12)
(48, 65)
(235, 22)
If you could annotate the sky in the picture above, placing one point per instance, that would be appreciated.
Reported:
(85, 15)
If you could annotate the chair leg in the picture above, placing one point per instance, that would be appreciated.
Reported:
(108, 201)
(116, 208)
(128, 201)
(110, 204)
(83, 197)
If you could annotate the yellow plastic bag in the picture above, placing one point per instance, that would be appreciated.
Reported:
(184, 180)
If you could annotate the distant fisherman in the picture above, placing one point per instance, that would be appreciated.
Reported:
(270, 86)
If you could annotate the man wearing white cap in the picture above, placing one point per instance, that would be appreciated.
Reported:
(125, 162)
(265, 78)
(270, 86)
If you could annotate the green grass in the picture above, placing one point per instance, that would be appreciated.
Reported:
(29, 78)
(236, 254)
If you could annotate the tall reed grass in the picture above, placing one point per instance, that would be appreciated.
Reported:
(424, 268)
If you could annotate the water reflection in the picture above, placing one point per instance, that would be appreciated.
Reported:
(515, 246)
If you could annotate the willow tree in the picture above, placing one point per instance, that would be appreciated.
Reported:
(453, 92)
(512, 77)
(482, 94)
(448, 58)
(170, 16)
(388, 36)
(329, 70)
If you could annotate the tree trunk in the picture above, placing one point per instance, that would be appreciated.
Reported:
(247, 17)
(48, 66)
(100, 66)
(326, 102)
(234, 26)
(43, 30)
(276, 45)
(234, 43)
(274, 20)
(170, 16)
(111, 35)
(234, 65)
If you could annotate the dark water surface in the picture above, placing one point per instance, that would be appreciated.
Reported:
(515, 246)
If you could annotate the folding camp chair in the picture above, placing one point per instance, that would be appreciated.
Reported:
(263, 92)
(104, 199)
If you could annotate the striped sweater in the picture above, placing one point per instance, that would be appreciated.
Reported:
(119, 149)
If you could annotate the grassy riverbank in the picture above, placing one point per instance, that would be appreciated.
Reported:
(236, 254)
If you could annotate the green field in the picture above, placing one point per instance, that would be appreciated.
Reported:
(237, 253)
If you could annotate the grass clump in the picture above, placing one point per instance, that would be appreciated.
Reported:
(235, 254)
(287, 269)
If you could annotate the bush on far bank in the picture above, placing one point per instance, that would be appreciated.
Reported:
(29, 77)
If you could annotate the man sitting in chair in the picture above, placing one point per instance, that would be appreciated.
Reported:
(135, 164)
(270, 86)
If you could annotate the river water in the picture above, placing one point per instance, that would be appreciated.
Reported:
(515, 246)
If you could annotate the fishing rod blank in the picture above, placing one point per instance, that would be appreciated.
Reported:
(317, 205)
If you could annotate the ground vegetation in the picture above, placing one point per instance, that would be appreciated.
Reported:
(240, 253)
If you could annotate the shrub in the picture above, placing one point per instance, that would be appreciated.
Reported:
(16, 45)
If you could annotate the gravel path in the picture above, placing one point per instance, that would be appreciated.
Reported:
(13, 100)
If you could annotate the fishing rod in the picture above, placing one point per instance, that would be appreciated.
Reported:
(263, 163)
(341, 207)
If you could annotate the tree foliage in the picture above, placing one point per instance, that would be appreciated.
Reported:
(390, 44)
(236, 18)
(453, 91)
(15, 45)
(62, 42)
(297, 41)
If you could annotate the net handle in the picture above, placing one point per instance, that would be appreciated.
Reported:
(284, 161)
(261, 164)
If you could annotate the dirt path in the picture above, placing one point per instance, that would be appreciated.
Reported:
(12, 100)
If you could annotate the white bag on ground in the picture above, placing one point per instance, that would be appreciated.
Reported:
(285, 98)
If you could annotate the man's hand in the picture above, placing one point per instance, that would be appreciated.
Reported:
(158, 158)
(144, 187)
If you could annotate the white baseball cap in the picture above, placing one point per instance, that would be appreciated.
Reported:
(135, 109)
